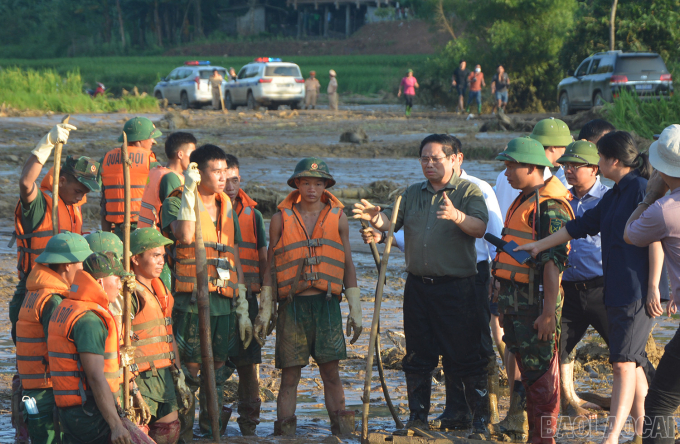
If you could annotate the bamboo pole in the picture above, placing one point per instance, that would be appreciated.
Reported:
(127, 296)
(55, 182)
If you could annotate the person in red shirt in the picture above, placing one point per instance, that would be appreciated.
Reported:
(476, 82)
(408, 85)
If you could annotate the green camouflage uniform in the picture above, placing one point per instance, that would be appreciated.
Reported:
(518, 315)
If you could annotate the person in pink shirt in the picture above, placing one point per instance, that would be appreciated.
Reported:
(408, 85)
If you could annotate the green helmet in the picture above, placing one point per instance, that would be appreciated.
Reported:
(552, 132)
(143, 239)
(312, 167)
(65, 248)
(140, 128)
(101, 241)
(581, 151)
(86, 170)
(525, 150)
(101, 265)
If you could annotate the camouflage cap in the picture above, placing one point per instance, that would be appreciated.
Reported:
(581, 151)
(101, 265)
(525, 150)
(140, 128)
(101, 241)
(65, 248)
(552, 132)
(143, 239)
(312, 167)
(86, 170)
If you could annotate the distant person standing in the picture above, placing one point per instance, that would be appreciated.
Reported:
(232, 74)
(215, 84)
(460, 81)
(409, 85)
(332, 91)
(499, 88)
(312, 88)
(476, 82)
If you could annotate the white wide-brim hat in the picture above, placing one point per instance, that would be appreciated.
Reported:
(664, 154)
(332, 72)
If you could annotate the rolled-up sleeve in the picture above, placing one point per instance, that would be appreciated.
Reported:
(474, 204)
(586, 225)
(649, 227)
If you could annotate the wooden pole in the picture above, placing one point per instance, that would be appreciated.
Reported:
(55, 183)
(224, 110)
(203, 301)
(612, 25)
(127, 296)
(376, 320)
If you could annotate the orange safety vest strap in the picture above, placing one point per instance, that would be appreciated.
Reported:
(309, 243)
(248, 245)
(222, 248)
(312, 277)
(316, 260)
(20, 339)
(143, 359)
(517, 233)
(250, 262)
(222, 283)
(148, 206)
(29, 358)
(153, 323)
(153, 340)
(219, 262)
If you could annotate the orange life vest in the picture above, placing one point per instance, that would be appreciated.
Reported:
(247, 249)
(149, 213)
(219, 247)
(517, 229)
(30, 245)
(114, 187)
(318, 259)
(152, 328)
(69, 381)
(32, 360)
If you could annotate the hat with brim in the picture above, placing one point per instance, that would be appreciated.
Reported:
(664, 154)
(332, 73)
(65, 248)
(140, 128)
(86, 170)
(581, 151)
(101, 265)
(101, 241)
(525, 150)
(143, 239)
(552, 132)
(311, 167)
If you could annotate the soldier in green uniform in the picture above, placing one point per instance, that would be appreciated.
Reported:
(101, 242)
(48, 285)
(529, 296)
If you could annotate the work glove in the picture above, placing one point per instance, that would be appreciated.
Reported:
(354, 319)
(142, 411)
(261, 327)
(184, 395)
(244, 325)
(274, 316)
(59, 133)
(127, 355)
(192, 177)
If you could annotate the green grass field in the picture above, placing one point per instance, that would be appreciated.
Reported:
(362, 74)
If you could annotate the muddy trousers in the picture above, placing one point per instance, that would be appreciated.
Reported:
(222, 374)
(663, 397)
(41, 426)
(186, 420)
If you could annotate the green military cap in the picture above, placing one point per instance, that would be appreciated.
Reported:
(552, 132)
(409, 71)
(312, 167)
(86, 170)
(581, 151)
(140, 128)
(525, 150)
(143, 239)
(101, 241)
(101, 265)
(65, 248)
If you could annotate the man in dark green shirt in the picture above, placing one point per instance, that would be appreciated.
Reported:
(441, 218)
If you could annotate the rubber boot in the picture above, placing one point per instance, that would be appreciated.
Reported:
(222, 374)
(515, 424)
(285, 426)
(342, 422)
(225, 416)
(249, 416)
(186, 421)
(456, 414)
(479, 109)
(492, 370)
(543, 402)
(20, 427)
(419, 388)
(165, 432)
(477, 395)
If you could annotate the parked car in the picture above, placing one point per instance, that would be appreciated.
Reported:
(266, 82)
(189, 85)
(600, 77)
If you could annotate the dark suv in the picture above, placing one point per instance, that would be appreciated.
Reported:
(600, 77)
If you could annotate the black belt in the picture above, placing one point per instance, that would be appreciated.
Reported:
(584, 285)
(435, 280)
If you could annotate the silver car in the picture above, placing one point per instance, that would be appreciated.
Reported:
(266, 82)
(189, 85)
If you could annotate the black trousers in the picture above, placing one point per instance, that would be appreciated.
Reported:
(582, 308)
(482, 290)
(663, 397)
(442, 319)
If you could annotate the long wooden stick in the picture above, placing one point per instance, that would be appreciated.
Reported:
(55, 183)
(376, 320)
(224, 110)
(203, 301)
(127, 296)
(378, 356)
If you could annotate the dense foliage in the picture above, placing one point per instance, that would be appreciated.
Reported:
(645, 118)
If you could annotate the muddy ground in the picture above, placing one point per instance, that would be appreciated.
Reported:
(269, 144)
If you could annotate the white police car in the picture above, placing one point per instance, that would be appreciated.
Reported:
(189, 85)
(266, 82)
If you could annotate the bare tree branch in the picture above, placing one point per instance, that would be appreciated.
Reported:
(442, 21)
(612, 25)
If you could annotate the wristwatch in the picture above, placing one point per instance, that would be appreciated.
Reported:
(383, 237)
